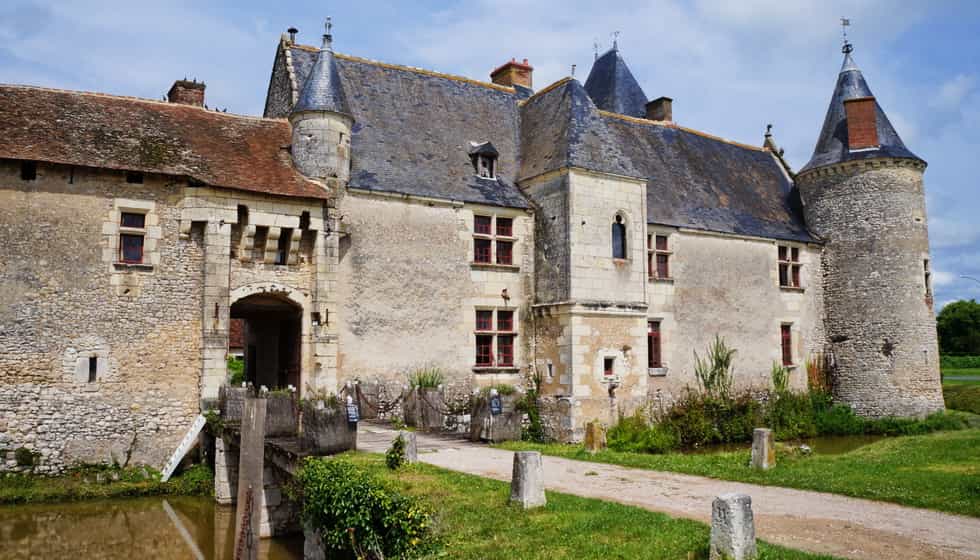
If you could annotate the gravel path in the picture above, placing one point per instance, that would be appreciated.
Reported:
(811, 521)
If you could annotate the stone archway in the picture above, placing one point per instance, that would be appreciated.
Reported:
(276, 333)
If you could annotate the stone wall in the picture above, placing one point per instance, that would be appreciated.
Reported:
(880, 322)
(729, 286)
(67, 303)
(409, 290)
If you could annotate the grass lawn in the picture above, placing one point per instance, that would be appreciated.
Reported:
(938, 471)
(473, 520)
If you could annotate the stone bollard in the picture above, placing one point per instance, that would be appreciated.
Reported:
(527, 481)
(763, 449)
(595, 437)
(313, 548)
(732, 528)
(411, 446)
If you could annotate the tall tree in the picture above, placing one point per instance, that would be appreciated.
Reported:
(959, 328)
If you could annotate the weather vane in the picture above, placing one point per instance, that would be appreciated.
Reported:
(615, 36)
(329, 25)
(595, 48)
(844, 24)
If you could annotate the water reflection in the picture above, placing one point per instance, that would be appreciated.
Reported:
(129, 529)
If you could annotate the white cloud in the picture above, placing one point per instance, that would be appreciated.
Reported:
(942, 278)
(952, 93)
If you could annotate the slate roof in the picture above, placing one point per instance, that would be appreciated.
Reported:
(413, 128)
(322, 90)
(832, 145)
(613, 88)
(126, 133)
(694, 180)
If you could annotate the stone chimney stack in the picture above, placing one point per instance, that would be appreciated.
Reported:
(862, 124)
(661, 109)
(187, 93)
(292, 35)
(513, 73)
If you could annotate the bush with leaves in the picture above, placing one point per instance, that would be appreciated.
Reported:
(428, 377)
(714, 372)
(529, 405)
(359, 516)
(395, 456)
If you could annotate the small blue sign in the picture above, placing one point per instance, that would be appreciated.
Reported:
(496, 405)
(352, 413)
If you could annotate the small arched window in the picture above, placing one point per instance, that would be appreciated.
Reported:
(619, 238)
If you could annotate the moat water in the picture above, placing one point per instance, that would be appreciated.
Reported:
(169, 528)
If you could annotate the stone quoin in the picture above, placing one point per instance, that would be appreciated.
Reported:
(378, 219)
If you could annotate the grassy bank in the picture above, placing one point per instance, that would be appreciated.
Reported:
(938, 471)
(99, 482)
(962, 396)
(473, 520)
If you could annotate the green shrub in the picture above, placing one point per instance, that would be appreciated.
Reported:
(634, 434)
(791, 416)
(426, 378)
(356, 513)
(236, 371)
(503, 389)
(714, 373)
(780, 378)
(959, 362)
(395, 456)
(963, 397)
(529, 405)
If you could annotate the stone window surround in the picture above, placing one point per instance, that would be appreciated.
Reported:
(619, 365)
(152, 233)
(494, 238)
(790, 264)
(515, 328)
(652, 252)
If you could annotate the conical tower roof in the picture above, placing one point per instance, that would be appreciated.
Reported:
(323, 90)
(613, 88)
(832, 146)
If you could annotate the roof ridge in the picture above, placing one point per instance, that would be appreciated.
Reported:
(551, 87)
(415, 69)
(138, 99)
(671, 124)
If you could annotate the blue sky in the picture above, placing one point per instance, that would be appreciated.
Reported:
(731, 67)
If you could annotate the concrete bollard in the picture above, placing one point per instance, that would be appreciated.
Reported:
(527, 481)
(411, 446)
(732, 528)
(595, 437)
(763, 449)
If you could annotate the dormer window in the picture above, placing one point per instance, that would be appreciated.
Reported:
(484, 159)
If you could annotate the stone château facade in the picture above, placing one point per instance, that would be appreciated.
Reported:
(381, 218)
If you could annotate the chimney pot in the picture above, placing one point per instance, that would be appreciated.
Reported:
(862, 123)
(187, 93)
(661, 109)
(513, 73)
(292, 34)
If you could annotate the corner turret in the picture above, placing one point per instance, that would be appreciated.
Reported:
(863, 194)
(321, 120)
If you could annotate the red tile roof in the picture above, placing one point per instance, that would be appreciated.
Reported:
(126, 133)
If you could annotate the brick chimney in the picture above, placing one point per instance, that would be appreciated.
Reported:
(513, 73)
(661, 109)
(862, 124)
(187, 93)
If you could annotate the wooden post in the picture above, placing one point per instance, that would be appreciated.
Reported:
(250, 472)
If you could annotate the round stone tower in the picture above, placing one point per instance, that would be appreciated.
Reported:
(863, 196)
(321, 121)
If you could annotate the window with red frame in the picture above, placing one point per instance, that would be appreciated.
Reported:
(484, 320)
(505, 320)
(484, 350)
(481, 250)
(608, 366)
(654, 359)
(505, 252)
(505, 350)
(789, 267)
(786, 337)
(505, 227)
(482, 225)
(132, 230)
